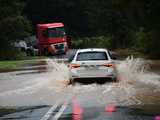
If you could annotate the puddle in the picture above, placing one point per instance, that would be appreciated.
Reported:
(121, 113)
(133, 88)
(137, 86)
(10, 110)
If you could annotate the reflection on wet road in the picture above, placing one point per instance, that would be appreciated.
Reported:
(134, 97)
(23, 113)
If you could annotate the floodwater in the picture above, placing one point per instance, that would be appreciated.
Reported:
(24, 95)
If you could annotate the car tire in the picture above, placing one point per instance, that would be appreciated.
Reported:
(115, 79)
(101, 82)
(71, 82)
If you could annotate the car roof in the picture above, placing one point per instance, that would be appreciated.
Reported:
(92, 49)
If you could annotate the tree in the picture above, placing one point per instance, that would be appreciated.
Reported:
(13, 26)
(118, 19)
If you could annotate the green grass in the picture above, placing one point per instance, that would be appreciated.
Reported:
(15, 64)
(12, 64)
(33, 57)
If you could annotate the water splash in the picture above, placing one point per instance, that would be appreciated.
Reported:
(47, 88)
(136, 82)
(134, 71)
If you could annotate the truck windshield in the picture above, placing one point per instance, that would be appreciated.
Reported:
(56, 32)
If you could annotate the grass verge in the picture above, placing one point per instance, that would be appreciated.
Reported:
(15, 64)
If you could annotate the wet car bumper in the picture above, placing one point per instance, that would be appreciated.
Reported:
(99, 74)
(89, 80)
(93, 78)
(93, 74)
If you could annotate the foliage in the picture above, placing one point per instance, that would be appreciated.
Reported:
(147, 43)
(120, 20)
(16, 64)
(11, 54)
(13, 26)
(82, 18)
(92, 42)
(142, 41)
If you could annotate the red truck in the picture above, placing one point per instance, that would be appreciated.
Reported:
(52, 39)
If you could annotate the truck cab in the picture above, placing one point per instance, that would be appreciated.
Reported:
(52, 39)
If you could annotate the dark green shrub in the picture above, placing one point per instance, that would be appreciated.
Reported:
(92, 42)
(147, 43)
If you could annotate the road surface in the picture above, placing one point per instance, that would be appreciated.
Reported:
(43, 93)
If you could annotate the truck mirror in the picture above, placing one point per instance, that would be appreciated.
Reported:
(44, 33)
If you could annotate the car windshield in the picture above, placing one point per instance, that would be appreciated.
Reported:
(86, 56)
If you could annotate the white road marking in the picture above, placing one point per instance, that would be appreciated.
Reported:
(50, 111)
(49, 114)
(61, 110)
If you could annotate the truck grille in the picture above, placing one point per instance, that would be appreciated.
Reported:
(59, 46)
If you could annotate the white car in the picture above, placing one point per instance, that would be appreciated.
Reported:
(92, 64)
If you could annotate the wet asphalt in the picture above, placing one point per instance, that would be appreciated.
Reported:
(85, 102)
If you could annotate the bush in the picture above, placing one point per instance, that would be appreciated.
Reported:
(11, 29)
(92, 42)
(147, 43)
(12, 54)
(142, 41)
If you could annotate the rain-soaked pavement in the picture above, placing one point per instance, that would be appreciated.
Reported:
(43, 93)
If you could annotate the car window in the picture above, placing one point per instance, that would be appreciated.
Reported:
(71, 55)
(85, 56)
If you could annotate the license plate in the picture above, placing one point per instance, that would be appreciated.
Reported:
(91, 68)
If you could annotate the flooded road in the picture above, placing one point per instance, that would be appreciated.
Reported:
(33, 95)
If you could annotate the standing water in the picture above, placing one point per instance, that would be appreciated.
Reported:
(136, 86)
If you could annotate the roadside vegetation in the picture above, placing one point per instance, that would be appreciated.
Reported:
(113, 24)
(14, 26)
(17, 64)
(92, 42)
(12, 64)
(138, 49)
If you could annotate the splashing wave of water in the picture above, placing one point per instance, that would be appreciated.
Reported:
(53, 85)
